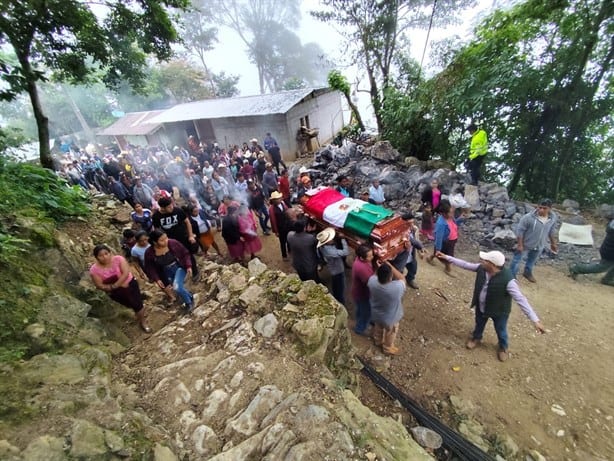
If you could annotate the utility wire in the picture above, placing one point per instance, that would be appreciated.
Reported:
(428, 34)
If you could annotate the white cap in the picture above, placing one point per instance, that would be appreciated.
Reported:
(495, 257)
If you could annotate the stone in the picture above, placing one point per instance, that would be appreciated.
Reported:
(472, 196)
(251, 296)
(498, 213)
(55, 369)
(8, 451)
(267, 325)
(256, 267)
(35, 330)
(498, 194)
(462, 406)
(237, 283)
(309, 331)
(247, 421)
(164, 453)
(215, 403)
(505, 238)
(427, 437)
(568, 203)
(535, 455)
(88, 440)
(44, 448)
(509, 446)
(385, 437)
(557, 409)
(605, 211)
(114, 441)
(205, 440)
(383, 150)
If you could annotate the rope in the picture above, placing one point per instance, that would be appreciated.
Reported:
(453, 441)
(428, 34)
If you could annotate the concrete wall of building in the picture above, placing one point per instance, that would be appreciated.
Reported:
(325, 113)
(237, 130)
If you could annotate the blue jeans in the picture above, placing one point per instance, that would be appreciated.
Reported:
(363, 315)
(500, 323)
(530, 257)
(263, 217)
(412, 269)
(177, 274)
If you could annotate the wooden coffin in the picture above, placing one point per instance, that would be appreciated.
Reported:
(387, 237)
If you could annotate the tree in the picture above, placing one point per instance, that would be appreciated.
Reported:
(373, 29)
(198, 32)
(538, 77)
(67, 38)
(337, 81)
(262, 25)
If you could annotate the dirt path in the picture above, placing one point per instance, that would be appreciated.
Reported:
(571, 366)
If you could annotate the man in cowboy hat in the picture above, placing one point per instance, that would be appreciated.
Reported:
(279, 221)
(333, 255)
(495, 287)
(304, 254)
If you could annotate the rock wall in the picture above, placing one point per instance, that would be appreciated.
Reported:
(262, 369)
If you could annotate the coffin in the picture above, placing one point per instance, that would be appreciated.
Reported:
(357, 221)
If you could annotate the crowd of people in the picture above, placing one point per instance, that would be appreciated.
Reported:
(225, 190)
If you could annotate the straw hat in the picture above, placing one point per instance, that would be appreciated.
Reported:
(276, 195)
(325, 236)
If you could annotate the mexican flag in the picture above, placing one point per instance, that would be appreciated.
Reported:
(354, 215)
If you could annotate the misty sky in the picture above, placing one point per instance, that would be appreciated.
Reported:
(326, 36)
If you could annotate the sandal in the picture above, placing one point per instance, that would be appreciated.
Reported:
(146, 328)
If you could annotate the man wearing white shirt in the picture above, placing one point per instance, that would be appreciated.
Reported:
(376, 193)
(495, 287)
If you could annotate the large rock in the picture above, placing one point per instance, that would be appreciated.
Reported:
(605, 211)
(383, 151)
(87, 439)
(44, 448)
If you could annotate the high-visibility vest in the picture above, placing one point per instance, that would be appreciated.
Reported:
(479, 144)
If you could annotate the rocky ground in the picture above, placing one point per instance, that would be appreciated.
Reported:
(264, 369)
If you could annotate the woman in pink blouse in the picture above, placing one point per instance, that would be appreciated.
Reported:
(111, 273)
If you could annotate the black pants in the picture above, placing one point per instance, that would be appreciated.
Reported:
(283, 243)
(474, 169)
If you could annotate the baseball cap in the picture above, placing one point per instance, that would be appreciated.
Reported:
(495, 257)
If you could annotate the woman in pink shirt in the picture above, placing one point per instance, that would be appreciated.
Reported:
(446, 233)
(431, 198)
(111, 273)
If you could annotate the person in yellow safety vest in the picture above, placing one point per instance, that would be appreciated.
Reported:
(477, 151)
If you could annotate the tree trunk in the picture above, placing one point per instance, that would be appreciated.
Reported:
(355, 112)
(42, 122)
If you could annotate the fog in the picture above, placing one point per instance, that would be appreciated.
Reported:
(333, 44)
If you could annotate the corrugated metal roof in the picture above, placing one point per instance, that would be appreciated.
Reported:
(262, 104)
(134, 124)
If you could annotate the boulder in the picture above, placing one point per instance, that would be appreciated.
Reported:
(383, 151)
(87, 440)
(44, 448)
(605, 211)
(267, 325)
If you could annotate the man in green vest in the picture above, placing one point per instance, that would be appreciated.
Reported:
(495, 287)
(477, 150)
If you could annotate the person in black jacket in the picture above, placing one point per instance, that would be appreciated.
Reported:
(606, 264)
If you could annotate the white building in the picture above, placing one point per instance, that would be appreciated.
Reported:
(232, 121)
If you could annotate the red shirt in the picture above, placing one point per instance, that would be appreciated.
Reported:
(284, 187)
(361, 271)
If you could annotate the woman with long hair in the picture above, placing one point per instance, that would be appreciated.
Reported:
(111, 274)
(168, 260)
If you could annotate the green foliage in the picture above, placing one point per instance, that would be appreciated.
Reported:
(337, 81)
(69, 40)
(538, 77)
(30, 189)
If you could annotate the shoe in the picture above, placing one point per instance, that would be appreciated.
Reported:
(392, 350)
(146, 328)
(187, 308)
(413, 285)
(529, 277)
(502, 355)
(473, 343)
(267, 232)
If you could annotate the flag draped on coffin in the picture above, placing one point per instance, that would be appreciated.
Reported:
(356, 216)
